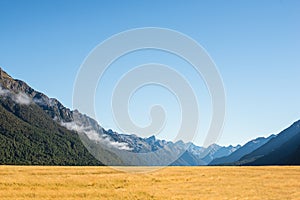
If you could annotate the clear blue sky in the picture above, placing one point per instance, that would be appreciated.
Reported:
(255, 45)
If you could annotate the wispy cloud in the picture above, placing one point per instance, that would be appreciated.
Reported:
(39, 101)
(3, 92)
(20, 98)
(95, 136)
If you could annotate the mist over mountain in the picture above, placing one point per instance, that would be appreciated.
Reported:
(28, 134)
(112, 148)
(38, 130)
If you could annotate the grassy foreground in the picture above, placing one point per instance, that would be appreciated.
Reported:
(27, 182)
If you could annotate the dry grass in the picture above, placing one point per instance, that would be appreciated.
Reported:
(18, 182)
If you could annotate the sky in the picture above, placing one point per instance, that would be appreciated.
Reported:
(254, 44)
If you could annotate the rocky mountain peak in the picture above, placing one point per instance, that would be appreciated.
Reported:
(52, 106)
(7, 82)
(148, 151)
(4, 75)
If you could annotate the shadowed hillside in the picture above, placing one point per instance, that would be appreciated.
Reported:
(29, 136)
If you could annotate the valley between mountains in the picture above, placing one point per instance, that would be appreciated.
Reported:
(38, 130)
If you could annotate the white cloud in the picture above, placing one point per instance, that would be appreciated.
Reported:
(3, 92)
(20, 98)
(95, 136)
(39, 101)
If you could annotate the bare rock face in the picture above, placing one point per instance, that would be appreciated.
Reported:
(29, 135)
(52, 106)
(14, 85)
(56, 110)
(108, 145)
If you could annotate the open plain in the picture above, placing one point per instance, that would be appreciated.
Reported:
(42, 182)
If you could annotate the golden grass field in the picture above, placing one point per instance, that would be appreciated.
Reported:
(28, 182)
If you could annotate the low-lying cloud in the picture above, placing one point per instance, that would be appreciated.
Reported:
(23, 99)
(3, 92)
(95, 136)
(20, 98)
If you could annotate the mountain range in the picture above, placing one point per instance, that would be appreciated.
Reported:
(38, 130)
(244, 150)
(282, 149)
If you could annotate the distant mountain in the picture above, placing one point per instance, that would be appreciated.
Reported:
(193, 149)
(202, 156)
(151, 151)
(38, 130)
(286, 154)
(46, 119)
(188, 159)
(280, 150)
(244, 150)
(215, 151)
